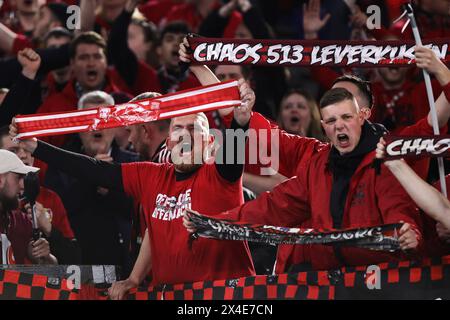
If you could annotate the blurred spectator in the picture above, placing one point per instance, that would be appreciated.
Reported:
(142, 37)
(50, 16)
(432, 16)
(54, 224)
(131, 73)
(57, 79)
(299, 115)
(109, 10)
(195, 11)
(149, 139)
(269, 83)
(89, 67)
(100, 218)
(171, 77)
(24, 16)
(156, 10)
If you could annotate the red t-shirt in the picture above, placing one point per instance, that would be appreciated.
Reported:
(164, 199)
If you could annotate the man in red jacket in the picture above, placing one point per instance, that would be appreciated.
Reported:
(338, 189)
(89, 67)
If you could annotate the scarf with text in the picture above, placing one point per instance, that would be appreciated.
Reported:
(215, 51)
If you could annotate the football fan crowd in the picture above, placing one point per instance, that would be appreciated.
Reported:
(118, 196)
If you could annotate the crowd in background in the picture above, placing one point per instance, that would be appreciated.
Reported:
(126, 47)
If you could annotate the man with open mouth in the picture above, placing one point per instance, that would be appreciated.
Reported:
(89, 67)
(165, 191)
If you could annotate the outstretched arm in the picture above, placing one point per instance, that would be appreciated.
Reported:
(427, 198)
(123, 59)
(287, 205)
(141, 269)
(19, 99)
(427, 59)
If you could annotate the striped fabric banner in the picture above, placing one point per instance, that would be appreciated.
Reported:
(201, 99)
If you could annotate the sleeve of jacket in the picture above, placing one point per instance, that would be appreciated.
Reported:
(394, 203)
(286, 151)
(123, 59)
(286, 206)
(19, 100)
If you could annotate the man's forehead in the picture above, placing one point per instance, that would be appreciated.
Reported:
(88, 48)
(339, 109)
(173, 35)
(189, 119)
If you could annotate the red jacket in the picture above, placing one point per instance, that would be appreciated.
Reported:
(293, 150)
(289, 254)
(372, 200)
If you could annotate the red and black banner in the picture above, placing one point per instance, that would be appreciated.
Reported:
(427, 279)
(382, 237)
(15, 285)
(417, 146)
(213, 51)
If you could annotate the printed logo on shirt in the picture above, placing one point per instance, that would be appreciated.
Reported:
(358, 197)
(171, 208)
(7, 250)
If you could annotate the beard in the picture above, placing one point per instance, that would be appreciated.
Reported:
(8, 204)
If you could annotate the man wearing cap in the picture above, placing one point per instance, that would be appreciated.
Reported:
(15, 227)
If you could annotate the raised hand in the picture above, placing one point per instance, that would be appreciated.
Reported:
(243, 113)
(30, 62)
(409, 239)
(29, 144)
(312, 23)
(427, 59)
(183, 51)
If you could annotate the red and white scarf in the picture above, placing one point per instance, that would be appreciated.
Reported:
(201, 99)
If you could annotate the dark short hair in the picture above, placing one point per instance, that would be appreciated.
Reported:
(58, 32)
(363, 86)
(335, 95)
(245, 70)
(174, 27)
(89, 37)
